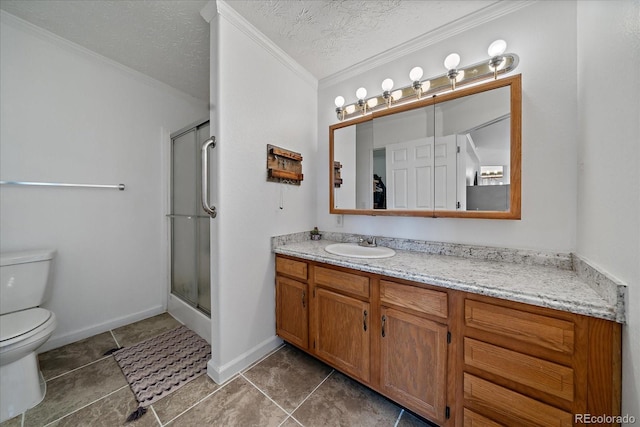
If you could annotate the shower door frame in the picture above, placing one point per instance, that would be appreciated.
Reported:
(182, 310)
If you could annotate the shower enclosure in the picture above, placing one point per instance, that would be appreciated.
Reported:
(190, 265)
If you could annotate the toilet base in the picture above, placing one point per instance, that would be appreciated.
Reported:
(21, 387)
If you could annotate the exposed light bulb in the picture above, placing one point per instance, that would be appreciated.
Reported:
(361, 93)
(415, 74)
(497, 48)
(452, 61)
(387, 85)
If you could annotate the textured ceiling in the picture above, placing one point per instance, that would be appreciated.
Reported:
(166, 40)
(169, 40)
(328, 36)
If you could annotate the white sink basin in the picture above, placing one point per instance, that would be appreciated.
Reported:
(354, 250)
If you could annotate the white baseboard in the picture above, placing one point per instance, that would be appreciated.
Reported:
(71, 337)
(221, 374)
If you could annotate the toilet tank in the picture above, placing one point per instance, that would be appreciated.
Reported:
(24, 277)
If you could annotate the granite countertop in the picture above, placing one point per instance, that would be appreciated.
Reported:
(528, 282)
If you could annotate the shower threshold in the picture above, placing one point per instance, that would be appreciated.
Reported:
(195, 319)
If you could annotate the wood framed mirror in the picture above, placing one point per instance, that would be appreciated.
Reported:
(456, 154)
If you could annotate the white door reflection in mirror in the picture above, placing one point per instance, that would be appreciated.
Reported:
(409, 168)
(445, 172)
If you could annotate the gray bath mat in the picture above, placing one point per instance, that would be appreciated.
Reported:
(160, 365)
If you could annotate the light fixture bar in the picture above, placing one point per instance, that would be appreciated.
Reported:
(442, 83)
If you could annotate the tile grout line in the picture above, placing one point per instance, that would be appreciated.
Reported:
(88, 404)
(271, 353)
(290, 417)
(201, 400)
(308, 396)
(399, 418)
(155, 414)
(114, 338)
(86, 364)
(78, 368)
(266, 395)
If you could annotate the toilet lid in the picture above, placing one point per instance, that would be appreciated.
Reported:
(21, 322)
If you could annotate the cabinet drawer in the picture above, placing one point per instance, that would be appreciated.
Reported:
(526, 370)
(412, 297)
(547, 332)
(520, 409)
(342, 281)
(473, 419)
(292, 268)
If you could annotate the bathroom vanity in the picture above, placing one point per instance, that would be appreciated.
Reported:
(457, 340)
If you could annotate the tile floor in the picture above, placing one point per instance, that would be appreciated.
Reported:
(287, 388)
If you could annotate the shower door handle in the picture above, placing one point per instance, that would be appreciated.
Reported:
(211, 210)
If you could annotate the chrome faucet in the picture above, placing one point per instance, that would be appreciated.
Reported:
(368, 242)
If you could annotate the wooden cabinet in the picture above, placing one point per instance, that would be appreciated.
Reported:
(292, 314)
(413, 362)
(342, 332)
(292, 302)
(414, 347)
(342, 320)
(455, 358)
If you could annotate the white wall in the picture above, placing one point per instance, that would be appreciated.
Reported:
(608, 158)
(258, 98)
(69, 115)
(548, 135)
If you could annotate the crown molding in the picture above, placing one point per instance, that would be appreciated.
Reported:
(223, 9)
(209, 11)
(451, 29)
(8, 19)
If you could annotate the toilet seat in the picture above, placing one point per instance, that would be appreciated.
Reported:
(20, 325)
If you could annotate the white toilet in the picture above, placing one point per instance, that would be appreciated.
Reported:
(24, 327)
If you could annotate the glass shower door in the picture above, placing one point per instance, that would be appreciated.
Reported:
(190, 275)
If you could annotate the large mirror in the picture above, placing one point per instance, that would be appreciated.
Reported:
(452, 155)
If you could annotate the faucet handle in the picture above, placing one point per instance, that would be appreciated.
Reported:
(368, 241)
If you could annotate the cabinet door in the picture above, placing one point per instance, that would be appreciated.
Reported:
(414, 362)
(292, 318)
(342, 332)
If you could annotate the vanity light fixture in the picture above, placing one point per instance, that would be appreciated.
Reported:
(451, 63)
(495, 51)
(361, 94)
(500, 63)
(415, 75)
(387, 85)
(339, 101)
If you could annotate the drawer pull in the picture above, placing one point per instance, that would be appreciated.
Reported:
(365, 320)
(384, 321)
(304, 297)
